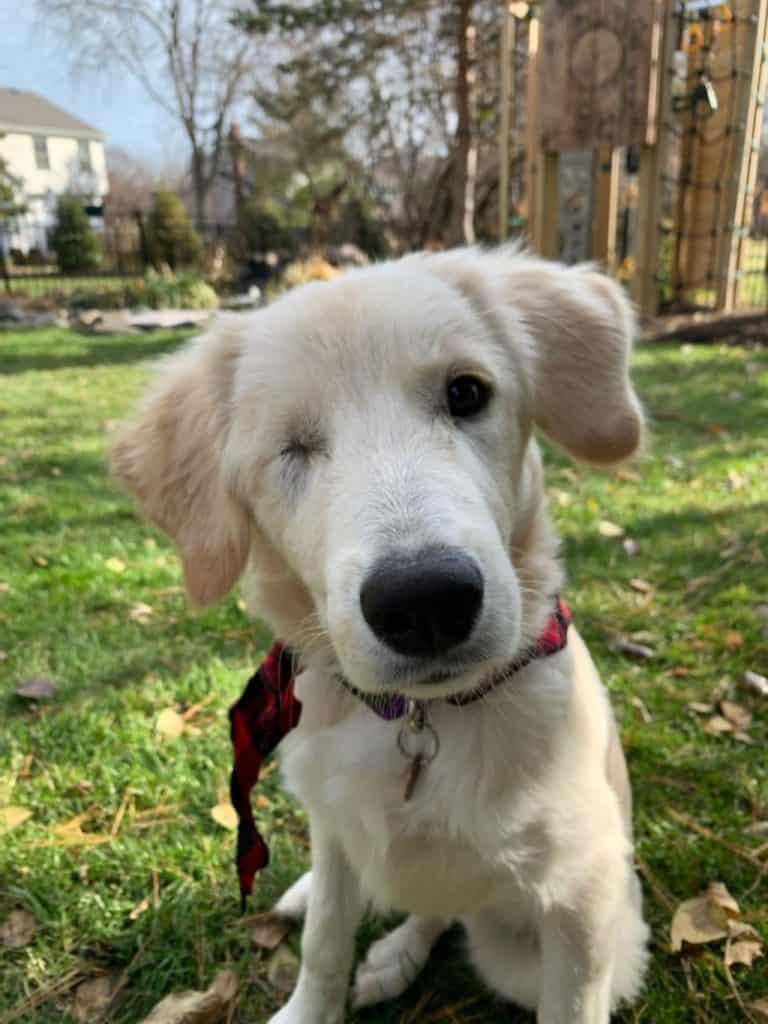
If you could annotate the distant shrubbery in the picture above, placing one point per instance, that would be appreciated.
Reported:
(73, 239)
(163, 290)
(171, 239)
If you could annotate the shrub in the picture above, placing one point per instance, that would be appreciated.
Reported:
(171, 239)
(155, 290)
(73, 239)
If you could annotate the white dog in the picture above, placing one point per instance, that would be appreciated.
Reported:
(362, 451)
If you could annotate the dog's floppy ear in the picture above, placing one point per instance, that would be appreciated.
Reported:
(582, 328)
(169, 457)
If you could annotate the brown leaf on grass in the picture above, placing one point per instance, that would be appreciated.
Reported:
(680, 671)
(269, 930)
(744, 951)
(18, 929)
(141, 613)
(755, 683)
(641, 586)
(736, 714)
(36, 688)
(92, 997)
(608, 529)
(71, 834)
(641, 708)
(224, 814)
(209, 1007)
(139, 909)
(733, 639)
(703, 919)
(12, 816)
(700, 708)
(623, 645)
(170, 724)
(283, 970)
(717, 725)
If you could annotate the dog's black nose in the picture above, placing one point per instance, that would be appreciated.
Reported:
(423, 602)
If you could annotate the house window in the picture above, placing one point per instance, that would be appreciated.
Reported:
(41, 152)
(84, 155)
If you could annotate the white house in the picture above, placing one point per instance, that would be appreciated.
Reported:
(52, 153)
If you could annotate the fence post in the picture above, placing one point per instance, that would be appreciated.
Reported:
(645, 290)
(749, 123)
(607, 174)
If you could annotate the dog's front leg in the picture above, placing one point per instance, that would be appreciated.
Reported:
(327, 943)
(578, 947)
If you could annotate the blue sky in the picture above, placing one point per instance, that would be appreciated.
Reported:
(117, 107)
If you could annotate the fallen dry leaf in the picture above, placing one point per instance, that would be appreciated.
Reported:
(755, 683)
(12, 816)
(139, 909)
(745, 951)
(608, 529)
(736, 714)
(115, 565)
(92, 997)
(701, 708)
(680, 671)
(169, 723)
(733, 639)
(283, 969)
(718, 726)
(70, 833)
(269, 930)
(645, 714)
(623, 645)
(641, 586)
(703, 919)
(36, 688)
(192, 1007)
(18, 929)
(224, 814)
(141, 613)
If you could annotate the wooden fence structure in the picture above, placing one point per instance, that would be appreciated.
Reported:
(642, 130)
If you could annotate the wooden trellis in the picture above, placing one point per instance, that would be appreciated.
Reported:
(607, 74)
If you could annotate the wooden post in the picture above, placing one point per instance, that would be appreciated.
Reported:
(749, 122)
(505, 57)
(607, 175)
(645, 289)
(542, 168)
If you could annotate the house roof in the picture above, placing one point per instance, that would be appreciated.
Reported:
(22, 111)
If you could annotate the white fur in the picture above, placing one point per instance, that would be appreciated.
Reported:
(521, 826)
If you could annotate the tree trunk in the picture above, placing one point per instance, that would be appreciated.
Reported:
(462, 227)
(199, 187)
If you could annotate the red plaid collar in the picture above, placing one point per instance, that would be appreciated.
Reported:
(269, 709)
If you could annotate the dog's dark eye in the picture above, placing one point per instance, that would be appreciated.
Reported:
(467, 396)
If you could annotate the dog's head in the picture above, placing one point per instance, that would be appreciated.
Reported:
(366, 443)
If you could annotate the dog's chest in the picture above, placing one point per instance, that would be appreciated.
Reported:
(428, 854)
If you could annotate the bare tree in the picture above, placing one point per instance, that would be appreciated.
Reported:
(185, 54)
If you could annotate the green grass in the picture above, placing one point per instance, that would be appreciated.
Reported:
(66, 613)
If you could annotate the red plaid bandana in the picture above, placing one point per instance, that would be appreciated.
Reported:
(268, 710)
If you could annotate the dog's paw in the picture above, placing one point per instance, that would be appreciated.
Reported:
(394, 961)
(293, 902)
(295, 1012)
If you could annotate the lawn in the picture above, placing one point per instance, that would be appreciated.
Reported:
(140, 880)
